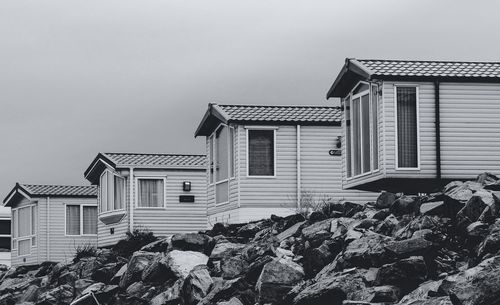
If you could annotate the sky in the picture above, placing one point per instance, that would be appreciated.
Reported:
(87, 76)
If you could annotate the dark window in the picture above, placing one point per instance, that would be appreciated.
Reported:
(5, 243)
(261, 152)
(5, 227)
(407, 127)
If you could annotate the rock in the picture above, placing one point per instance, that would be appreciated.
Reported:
(255, 268)
(180, 263)
(381, 214)
(424, 291)
(368, 251)
(86, 266)
(232, 301)
(14, 284)
(491, 244)
(102, 292)
(193, 242)
(410, 247)
(105, 273)
(486, 178)
(225, 290)
(139, 261)
(385, 200)
(481, 206)
(277, 278)
(157, 270)
(61, 295)
(316, 216)
(30, 294)
(309, 232)
(161, 245)
(407, 273)
(383, 294)
(225, 249)
(136, 289)
(291, 231)
(432, 208)
(430, 301)
(317, 258)
(406, 205)
(67, 277)
(118, 275)
(8, 299)
(197, 285)
(82, 284)
(171, 295)
(232, 267)
(479, 285)
(351, 208)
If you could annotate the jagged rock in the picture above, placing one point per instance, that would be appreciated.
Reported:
(232, 267)
(180, 263)
(14, 284)
(387, 226)
(385, 200)
(351, 208)
(225, 290)
(160, 245)
(424, 233)
(61, 295)
(432, 208)
(486, 178)
(225, 249)
(86, 266)
(482, 206)
(424, 291)
(105, 273)
(118, 275)
(82, 284)
(249, 230)
(385, 294)
(139, 261)
(316, 216)
(368, 251)
(407, 273)
(67, 277)
(430, 301)
(157, 270)
(475, 286)
(410, 247)
(232, 301)
(317, 258)
(101, 291)
(491, 244)
(309, 232)
(406, 205)
(255, 268)
(197, 285)
(30, 294)
(136, 289)
(381, 214)
(291, 231)
(277, 278)
(8, 299)
(193, 242)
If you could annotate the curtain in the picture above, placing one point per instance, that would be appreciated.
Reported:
(119, 190)
(110, 186)
(375, 126)
(222, 155)
(103, 188)
(356, 136)
(407, 126)
(261, 152)
(72, 220)
(347, 113)
(24, 222)
(33, 219)
(150, 193)
(231, 152)
(89, 220)
(365, 112)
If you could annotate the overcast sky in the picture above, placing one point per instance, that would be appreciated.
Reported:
(80, 77)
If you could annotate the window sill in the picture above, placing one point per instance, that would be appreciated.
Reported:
(113, 217)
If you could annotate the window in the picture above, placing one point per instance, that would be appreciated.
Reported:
(112, 192)
(361, 127)
(407, 127)
(150, 192)
(222, 161)
(81, 219)
(24, 223)
(261, 152)
(5, 234)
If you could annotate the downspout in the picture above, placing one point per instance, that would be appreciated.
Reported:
(298, 168)
(47, 242)
(437, 129)
(131, 200)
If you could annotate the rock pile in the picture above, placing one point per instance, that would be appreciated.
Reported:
(441, 248)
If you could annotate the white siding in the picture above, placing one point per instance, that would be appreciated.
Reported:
(470, 129)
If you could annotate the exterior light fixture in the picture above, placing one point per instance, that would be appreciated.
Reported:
(186, 186)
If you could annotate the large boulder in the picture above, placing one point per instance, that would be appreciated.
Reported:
(140, 260)
(233, 266)
(406, 205)
(197, 285)
(180, 263)
(193, 242)
(410, 247)
(157, 271)
(385, 200)
(311, 231)
(277, 278)
(61, 295)
(482, 206)
(407, 273)
(170, 296)
(491, 244)
(367, 251)
(316, 258)
(160, 245)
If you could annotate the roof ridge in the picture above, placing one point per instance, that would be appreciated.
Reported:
(155, 154)
(44, 184)
(431, 61)
(279, 106)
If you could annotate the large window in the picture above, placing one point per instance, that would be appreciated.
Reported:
(112, 192)
(150, 192)
(222, 161)
(361, 127)
(261, 152)
(24, 223)
(407, 127)
(81, 219)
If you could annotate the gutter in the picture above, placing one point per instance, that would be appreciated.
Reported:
(437, 117)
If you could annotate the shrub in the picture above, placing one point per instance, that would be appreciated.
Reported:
(134, 241)
(85, 250)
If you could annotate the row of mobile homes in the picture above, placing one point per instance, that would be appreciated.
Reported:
(49, 222)
(5, 238)
(162, 193)
(267, 160)
(413, 125)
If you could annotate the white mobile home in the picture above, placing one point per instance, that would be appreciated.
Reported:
(164, 193)
(414, 125)
(263, 158)
(49, 222)
(5, 236)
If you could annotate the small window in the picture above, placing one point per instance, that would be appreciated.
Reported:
(81, 219)
(231, 152)
(150, 193)
(4, 227)
(89, 221)
(5, 243)
(72, 220)
(407, 127)
(211, 155)
(261, 152)
(112, 192)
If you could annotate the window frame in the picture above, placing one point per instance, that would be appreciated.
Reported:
(270, 128)
(371, 132)
(15, 226)
(136, 203)
(100, 205)
(81, 218)
(9, 236)
(231, 161)
(417, 104)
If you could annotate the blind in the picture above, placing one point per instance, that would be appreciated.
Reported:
(33, 219)
(356, 136)
(407, 127)
(119, 191)
(72, 220)
(103, 187)
(150, 193)
(375, 126)
(365, 124)
(89, 220)
(261, 152)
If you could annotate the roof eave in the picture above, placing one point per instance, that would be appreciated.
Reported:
(17, 189)
(213, 112)
(351, 72)
(99, 158)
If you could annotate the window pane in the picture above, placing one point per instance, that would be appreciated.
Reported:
(24, 221)
(89, 220)
(4, 227)
(407, 126)
(33, 241)
(15, 223)
(261, 152)
(375, 126)
(110, 188)
(5, 243)
(150, 192)
(347, 113)
(33, 219)
(356, 136)
(119, 191)
(222, 192)
(222, 155)
(103, 186)
(24, 247)
(231, 151)
(365, 112)
(72, 220)
(212, 159)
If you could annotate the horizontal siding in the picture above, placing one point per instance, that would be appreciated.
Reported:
(321, 174)
(470, 129)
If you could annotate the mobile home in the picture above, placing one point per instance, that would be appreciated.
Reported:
(5, 236)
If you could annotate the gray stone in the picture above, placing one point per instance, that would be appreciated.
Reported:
(192, 242)
(310, 232)
(406, 273)
(385, 200)
(410, 247)
(161, 245)
(197, 285)
(170, 296)
(277, 278)
(180, 263)
(140, 260)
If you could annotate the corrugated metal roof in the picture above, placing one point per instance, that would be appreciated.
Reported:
(431, 68)
(145, 159)
(59, 190)
(264, 113)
